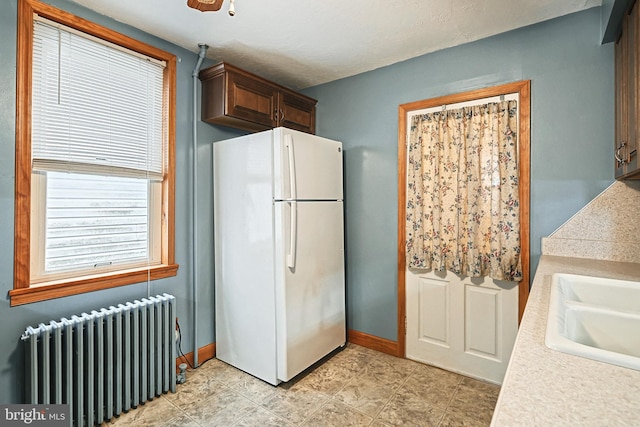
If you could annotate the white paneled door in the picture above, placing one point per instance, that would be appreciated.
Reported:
(461, 324)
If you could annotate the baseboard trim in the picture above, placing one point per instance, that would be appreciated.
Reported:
(204, 353)
(373, 342)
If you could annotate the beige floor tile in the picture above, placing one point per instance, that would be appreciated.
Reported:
(353, 358)
(481, 386)
(472, 404)
(389, 370)
(221, 372)
(254, 389)
(366, 394)
(198, 387)
(327, 379)
(223, 408)
(260, 417)
(456, 420)
(294, 404)
(334, 413)
(430, 374)
(181, 420)
(432, 385)
(410, 410)
(152, 413)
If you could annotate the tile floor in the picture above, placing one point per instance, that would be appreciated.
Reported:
(354, 387)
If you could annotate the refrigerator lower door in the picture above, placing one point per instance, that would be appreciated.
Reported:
(310, 294)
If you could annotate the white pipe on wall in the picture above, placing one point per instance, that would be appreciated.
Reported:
(194, 213)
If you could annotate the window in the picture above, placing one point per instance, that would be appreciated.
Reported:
(94, 158)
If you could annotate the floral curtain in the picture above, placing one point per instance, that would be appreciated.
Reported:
(462, 192)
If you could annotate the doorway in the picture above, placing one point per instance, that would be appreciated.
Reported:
(462, 321)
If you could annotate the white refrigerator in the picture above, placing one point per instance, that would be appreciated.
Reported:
(279, 252)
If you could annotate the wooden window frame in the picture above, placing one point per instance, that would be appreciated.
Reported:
(23, 291)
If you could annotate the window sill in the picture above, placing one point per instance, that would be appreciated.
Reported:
(58, 289)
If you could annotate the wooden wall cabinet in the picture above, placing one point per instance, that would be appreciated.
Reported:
(627, 103)
(236, 98)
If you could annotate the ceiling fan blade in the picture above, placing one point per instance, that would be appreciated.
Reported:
(205, 5)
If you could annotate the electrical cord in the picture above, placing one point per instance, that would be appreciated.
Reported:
(180, 346)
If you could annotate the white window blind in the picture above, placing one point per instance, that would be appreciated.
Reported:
(96, 108)
(98, 145)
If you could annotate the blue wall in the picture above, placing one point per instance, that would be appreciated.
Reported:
(572, 107)
(13, 320)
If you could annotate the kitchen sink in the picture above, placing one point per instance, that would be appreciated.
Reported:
(595, 318)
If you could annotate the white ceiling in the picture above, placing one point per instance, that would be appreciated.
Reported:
(304, 43)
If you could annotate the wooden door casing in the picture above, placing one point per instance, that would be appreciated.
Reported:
(523, 88)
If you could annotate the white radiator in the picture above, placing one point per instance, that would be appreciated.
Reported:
(103, 363)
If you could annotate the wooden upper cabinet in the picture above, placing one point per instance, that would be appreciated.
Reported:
(236, 98)
(627, 100)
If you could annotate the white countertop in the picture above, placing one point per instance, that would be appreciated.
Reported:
(543, 387)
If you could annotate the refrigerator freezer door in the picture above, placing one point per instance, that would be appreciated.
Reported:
(306, 167)
(310, 296)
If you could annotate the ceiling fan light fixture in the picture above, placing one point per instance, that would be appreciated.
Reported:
(205, 5)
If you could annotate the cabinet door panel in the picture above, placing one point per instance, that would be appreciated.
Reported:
(251, 100)
(620, 104)
(634, 86)
(297, 113)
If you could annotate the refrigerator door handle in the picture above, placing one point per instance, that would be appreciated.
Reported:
(288, 143)
(293, 225)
